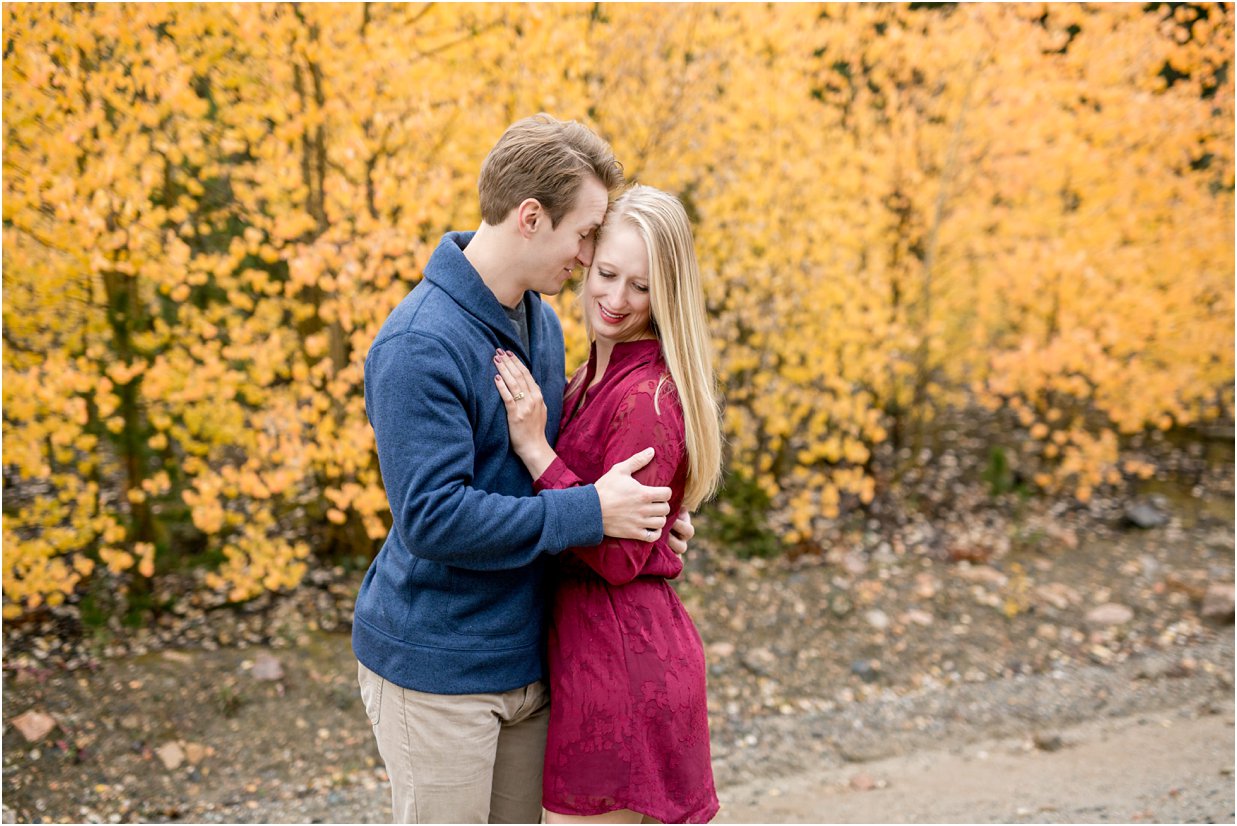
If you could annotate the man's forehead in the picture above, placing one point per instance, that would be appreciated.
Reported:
(593, 203)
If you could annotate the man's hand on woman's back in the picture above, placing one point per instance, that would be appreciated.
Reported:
(630, 510)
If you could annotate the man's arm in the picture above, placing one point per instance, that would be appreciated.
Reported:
(416, 400)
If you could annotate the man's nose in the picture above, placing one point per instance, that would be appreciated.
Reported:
(585, 253)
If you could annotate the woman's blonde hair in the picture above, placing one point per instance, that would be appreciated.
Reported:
(677, 312)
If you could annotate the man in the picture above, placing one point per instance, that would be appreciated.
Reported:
(449, 621)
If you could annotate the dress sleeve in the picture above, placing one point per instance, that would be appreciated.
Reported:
(639, 422)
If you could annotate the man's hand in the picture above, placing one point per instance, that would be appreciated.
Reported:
(681, 533)
(630, 510)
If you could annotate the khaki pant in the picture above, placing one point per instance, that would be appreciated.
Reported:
(466, 758)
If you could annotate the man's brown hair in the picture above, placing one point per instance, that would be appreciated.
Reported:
(544, 158)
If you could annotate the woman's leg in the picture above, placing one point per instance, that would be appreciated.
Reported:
(619, 816)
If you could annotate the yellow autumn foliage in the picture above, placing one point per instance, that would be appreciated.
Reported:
(209, 209)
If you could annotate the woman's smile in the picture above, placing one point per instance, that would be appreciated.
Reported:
(606, 315)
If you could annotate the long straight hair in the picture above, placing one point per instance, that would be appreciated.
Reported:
(678, 319)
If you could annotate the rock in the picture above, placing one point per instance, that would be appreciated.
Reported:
(172, 755)
(1058, 595)
(865, 670)
(1150, 565)
(917, 616)
(862, 782)
(877, 618)
(854, 563)
(760, 661)
(1155, 669)
(984, 574)
(970, 553)
(34, 725)
(926, 585)
(1218, 603)
(1191, 583)
(1047, 741)
(840, 605)
(267, 668)
(720, 650)
(1110, 613)
(1146, 512)
(1102, 654)
(194, 753)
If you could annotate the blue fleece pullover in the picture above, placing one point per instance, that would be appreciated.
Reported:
(454, 601)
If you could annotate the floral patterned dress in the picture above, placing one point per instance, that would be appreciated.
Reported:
(629, 724)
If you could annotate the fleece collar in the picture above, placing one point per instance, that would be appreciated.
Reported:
(451, 272)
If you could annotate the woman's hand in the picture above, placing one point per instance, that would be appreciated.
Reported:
(526, 412)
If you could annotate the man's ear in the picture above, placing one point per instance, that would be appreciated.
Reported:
(530, 216)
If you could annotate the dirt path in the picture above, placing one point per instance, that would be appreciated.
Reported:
(1161, 767)
(882, 664)
(1149, 739)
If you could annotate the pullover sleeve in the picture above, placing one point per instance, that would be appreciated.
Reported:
(416, 398)
(638, 423)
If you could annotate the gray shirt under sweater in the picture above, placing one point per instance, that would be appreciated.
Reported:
(519, 317)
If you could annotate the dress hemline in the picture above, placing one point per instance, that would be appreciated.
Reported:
(699, 815)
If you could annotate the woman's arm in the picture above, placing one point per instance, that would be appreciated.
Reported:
(640, 420)
(628, 508)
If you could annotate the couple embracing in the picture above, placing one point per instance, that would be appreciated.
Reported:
(518, 642)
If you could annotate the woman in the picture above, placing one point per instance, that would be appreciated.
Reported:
(628, 734)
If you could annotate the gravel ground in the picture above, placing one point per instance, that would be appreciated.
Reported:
(972, 664)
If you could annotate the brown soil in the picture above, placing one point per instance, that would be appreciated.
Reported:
(933, 679)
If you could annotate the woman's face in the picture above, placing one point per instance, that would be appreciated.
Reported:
(616, 293)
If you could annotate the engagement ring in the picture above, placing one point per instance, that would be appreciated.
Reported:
(518, 396)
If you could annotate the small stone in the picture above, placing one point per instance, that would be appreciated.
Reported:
(916, 616)
(1058, 595)
(760, 661)
(1102, 654)
(840, 605)
(194, 753)
(926, 586)
(854, 563)
(1218, 603)
(720, 650)
(34, 725)
(1047, 741)
(267, 668)
(1155, 669)
(866, 670)
(862, 782)
(1146, 512)
(1110, 613)
(172, 755)
(877, 618)
(984, 574)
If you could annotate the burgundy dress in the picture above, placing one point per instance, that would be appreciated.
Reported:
(629, 725)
